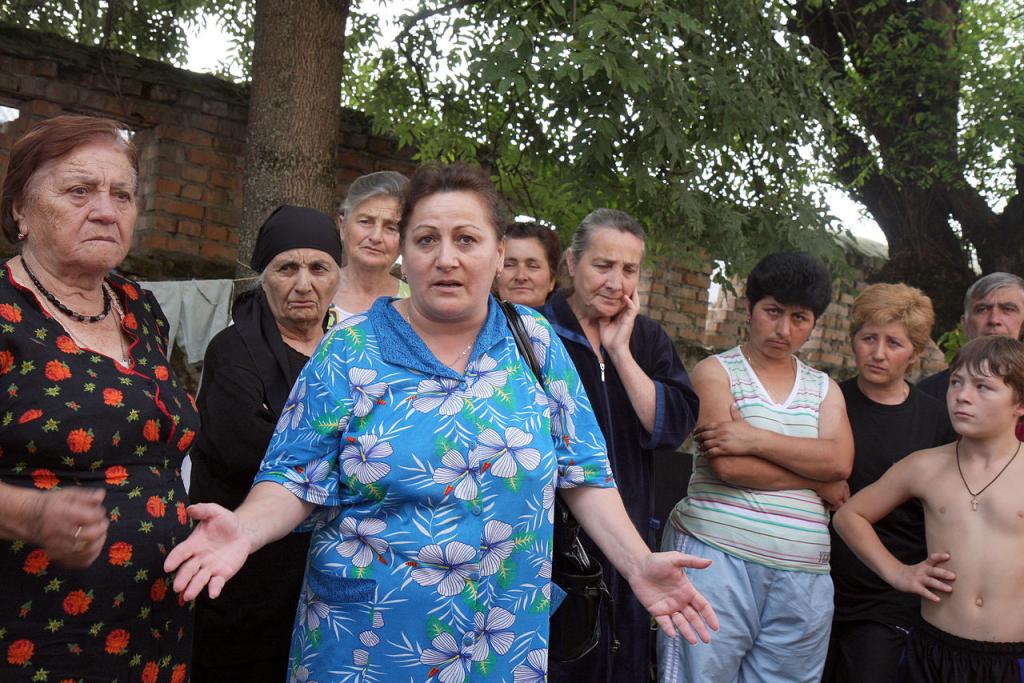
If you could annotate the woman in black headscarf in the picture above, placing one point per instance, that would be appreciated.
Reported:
(249, 369)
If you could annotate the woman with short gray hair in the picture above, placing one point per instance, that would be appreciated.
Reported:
(643, 401)
(368, 223)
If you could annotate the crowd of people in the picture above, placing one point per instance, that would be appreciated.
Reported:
(375, 464)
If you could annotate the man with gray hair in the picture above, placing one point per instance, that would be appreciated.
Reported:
(993, 305)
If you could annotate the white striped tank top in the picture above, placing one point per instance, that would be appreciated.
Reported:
(778, 529)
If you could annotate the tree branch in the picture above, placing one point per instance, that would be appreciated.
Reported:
(410, 22)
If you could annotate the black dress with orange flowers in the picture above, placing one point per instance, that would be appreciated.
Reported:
(73, 417)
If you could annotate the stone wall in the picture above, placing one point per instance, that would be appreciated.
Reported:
(190, 130)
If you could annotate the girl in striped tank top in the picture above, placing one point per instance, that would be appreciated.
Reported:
(776, 449)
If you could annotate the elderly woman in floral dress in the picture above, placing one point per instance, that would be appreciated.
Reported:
(93, 424)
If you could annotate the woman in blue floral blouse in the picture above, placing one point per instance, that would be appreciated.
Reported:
(425, 456)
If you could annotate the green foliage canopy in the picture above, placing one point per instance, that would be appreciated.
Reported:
(149, 28)
(698, 117)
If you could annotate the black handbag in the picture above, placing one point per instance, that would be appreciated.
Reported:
(575, 626)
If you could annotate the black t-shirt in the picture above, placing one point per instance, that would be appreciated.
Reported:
(884, 434)
(936, 386)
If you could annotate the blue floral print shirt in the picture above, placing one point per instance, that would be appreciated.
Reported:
(431, 555)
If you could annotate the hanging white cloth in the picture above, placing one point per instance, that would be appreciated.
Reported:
(195, 309)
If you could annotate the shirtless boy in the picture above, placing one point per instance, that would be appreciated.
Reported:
(972, 583)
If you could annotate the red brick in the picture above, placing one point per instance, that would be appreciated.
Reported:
(696, 308)
(185, 245)
(206, 157)
(168, 186)
(238, 112)
(191, 191)
(177, 208)
(44, 108)
(231, 129)
(204, 122)
(226, 180)
(155, 240)
(718, 341)
(58, 91)
(129, 86)
(697, 279)
(32, 86)
(675, 317)
(195, 174)
(355, 140)
(190, 99)
(215, 233)
(7, 81)
(165, 224)
(213, 250)
(166, 167)
(162, 93)
(381, 146)
(360, 162)
(45, 68)
(215, 108)
(212, 195)
(101, 103)
(216, 214)
(229, 146)
(190, 228)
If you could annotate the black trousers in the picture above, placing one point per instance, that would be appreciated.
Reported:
(864, 651)
(934, 656)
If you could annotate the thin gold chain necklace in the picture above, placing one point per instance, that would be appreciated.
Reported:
(450, 364)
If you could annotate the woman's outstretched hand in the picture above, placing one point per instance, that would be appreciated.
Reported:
(213, 553)
(664, 590)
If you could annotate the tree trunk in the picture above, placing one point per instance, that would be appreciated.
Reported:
(911, 178)
(294, 109)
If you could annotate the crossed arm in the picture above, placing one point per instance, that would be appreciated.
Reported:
(745, 455)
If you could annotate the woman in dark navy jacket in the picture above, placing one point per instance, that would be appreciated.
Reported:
(642, 398)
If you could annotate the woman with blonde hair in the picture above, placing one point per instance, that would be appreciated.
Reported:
(890, 418)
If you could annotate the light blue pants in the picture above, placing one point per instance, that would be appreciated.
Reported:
(774, 624)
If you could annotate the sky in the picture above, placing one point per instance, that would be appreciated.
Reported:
(208, 47)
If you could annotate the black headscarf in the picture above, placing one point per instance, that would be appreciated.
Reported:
(295, 227)
(289, 227)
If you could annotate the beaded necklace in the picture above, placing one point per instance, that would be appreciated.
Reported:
(60, 305)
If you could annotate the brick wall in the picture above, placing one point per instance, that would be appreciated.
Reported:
(190, 130)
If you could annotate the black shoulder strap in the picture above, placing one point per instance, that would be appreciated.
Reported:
(515, 323)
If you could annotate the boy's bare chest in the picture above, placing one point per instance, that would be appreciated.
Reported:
(976, 504)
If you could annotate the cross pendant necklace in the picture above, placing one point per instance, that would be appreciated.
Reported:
(974, 496)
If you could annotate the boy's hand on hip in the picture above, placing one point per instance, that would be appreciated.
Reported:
(924, 577)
